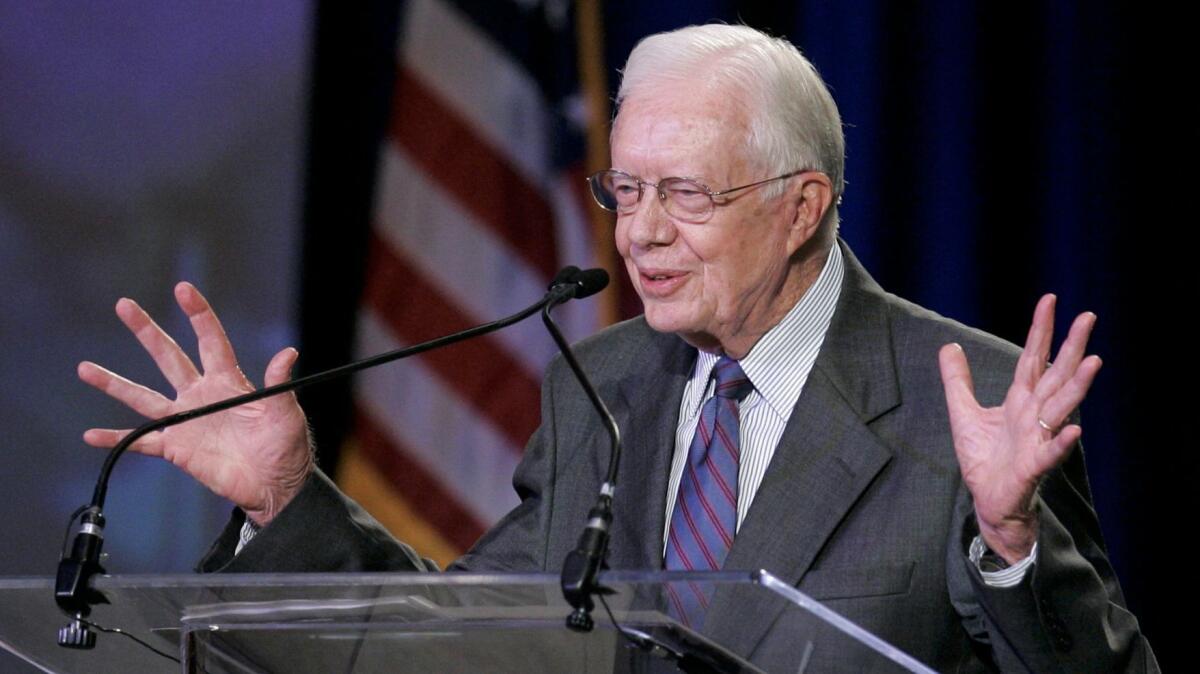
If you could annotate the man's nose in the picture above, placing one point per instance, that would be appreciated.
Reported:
(649, 224)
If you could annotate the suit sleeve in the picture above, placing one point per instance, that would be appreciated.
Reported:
(1068, 613)
(320, 530)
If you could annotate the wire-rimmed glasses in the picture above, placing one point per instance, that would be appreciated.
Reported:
(683, 198)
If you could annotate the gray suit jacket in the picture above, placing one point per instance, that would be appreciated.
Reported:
(862, 507)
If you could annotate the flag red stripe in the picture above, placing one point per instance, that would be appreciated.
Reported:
(446, 147)
(480, 369)
(423, 490)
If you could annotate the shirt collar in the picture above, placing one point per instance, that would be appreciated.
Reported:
(779, 364)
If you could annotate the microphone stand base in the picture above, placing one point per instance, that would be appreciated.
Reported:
(580, 620)
(77, 635)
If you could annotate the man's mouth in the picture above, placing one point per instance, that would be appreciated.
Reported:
(659, 274)
(660, 282)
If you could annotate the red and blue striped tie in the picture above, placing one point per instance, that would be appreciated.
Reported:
(705, 516)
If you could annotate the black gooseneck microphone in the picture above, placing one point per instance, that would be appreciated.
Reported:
(582, 565)
(72, 588)
(581, 568)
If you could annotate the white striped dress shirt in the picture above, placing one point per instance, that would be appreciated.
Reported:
(777, 366)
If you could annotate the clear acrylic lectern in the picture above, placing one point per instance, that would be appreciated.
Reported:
(413, 622)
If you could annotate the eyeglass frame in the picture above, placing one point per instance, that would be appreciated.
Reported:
(594, 179)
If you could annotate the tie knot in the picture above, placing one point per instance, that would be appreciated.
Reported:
(731, 381)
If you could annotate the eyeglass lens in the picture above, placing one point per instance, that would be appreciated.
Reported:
(684, 198)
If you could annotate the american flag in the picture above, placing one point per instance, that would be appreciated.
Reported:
(480, 199)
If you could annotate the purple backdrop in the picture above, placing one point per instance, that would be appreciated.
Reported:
(139, 145)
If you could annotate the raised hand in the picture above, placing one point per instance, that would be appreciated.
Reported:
(256, 455)
(1005, 451)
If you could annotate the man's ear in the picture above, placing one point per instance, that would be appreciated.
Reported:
(810, 196)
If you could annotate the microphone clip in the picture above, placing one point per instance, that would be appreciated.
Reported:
(72, 585)
(582, 566)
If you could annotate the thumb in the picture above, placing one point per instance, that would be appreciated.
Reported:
(956, 380)
(279, 370)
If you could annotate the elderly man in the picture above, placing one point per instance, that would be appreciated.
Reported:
(781, 411)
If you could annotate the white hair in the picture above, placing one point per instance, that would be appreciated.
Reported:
(794, 123)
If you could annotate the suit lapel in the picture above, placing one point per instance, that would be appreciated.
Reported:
(825, 460)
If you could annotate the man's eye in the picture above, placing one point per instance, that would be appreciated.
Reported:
(689, 195)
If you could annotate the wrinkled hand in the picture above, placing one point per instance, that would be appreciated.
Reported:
(256, 455)
(1005, 451)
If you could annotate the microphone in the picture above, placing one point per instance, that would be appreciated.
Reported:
(582, 565)
(580, 283)
(581, 568)
(72, 590)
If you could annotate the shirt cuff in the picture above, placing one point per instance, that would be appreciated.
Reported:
(1005, 577)
(249, 529)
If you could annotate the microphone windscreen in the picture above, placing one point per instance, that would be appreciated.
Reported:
(567, 274)
(591, 281)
